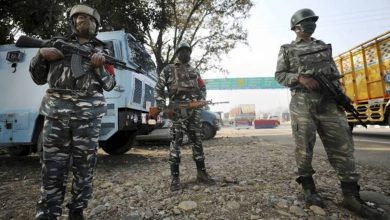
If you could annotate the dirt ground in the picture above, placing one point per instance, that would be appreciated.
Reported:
(255, 180)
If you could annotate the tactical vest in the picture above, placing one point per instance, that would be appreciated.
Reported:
(315, 60)
(185, 80)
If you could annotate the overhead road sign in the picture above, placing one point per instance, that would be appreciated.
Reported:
(243, 83)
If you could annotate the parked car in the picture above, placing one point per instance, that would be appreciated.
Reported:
(211, 123)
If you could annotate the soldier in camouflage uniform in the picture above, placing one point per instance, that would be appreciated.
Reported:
(184, 84)
(73, 108)
(311, 110)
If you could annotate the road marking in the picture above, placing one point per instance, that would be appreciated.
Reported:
(373, 148)
(371, 141)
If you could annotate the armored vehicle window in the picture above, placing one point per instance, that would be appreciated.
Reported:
(140, 56)
(110, 46)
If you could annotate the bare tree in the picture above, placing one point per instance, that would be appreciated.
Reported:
(212, 27)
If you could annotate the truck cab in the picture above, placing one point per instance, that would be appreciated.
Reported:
(127, 103)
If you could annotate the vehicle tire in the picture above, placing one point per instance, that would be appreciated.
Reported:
(19, 151)
(208, 131)
(119, 143)
(351, 126)
(40, 146)
(388, 119)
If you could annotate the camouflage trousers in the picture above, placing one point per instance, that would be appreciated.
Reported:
(186, 121)
(67, 145)
(310, 113)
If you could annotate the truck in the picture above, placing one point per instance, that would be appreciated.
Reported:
(128, 103)
(242, 116)
(365, 71)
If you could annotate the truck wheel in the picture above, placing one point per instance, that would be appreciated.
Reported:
(351, 126)
(208, 131)
(388, 119)
(19, 151)
(119, 143)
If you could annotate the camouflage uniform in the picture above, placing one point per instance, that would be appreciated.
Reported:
(176, 77)
(312, 111)
(73, 108)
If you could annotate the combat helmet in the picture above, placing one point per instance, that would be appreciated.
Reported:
(301, 15)
(84, 9)
(182, 45)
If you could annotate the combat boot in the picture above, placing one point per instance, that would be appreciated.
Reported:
(45, 217)
(175, 184)
(202, 176)
(42, 213)
(76, 214)
(354, 203)
(309, 191)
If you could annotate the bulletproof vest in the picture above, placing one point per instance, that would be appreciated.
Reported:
(316, 59)
(185, 80)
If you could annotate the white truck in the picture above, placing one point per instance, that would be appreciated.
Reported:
(128, 102)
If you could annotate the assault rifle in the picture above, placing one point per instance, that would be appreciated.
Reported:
(338, 95)
(66, 48)
(154, 111)
(320, 67)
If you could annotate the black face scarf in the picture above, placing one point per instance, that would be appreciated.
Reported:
(184, 55)
(308, 26)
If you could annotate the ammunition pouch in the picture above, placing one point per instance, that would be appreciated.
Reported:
(185, 80)
(314, 60)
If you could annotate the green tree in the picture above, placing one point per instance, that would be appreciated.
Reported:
(212, 27)
(48, 18)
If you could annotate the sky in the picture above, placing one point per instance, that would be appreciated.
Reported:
(343, 23)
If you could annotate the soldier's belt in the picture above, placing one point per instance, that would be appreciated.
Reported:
(80, 93)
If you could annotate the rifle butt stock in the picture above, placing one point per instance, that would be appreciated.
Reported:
(30, 42)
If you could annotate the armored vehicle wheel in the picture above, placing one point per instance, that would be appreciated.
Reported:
(40, 146)
(19, 151)
(351, 126)
(119, 143)
(208, 131)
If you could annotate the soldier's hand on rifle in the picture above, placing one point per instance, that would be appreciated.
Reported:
(310, 83)
(51, 54)
(168, 113)
(97, 60)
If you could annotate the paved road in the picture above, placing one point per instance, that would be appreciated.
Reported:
(372, 145)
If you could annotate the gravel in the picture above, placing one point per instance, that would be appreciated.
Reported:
(255, 180)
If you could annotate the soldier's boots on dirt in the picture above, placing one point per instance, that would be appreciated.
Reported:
(42, 213)
(76, 214)
(309, 191)
(45, 217)
(354, 203)
(202, 176)
(175, 184)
